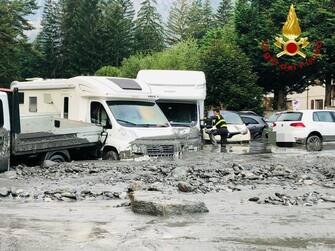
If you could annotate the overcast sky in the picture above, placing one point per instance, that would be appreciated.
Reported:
(163, 7)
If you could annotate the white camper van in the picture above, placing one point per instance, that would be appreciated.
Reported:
(126, 109)
(181, 97)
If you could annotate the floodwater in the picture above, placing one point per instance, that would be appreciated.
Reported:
(233, 222)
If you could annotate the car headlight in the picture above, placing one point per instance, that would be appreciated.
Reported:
(136, 148)
(183, 132)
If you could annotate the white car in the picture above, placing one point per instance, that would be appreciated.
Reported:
(310, 127)
(234, 125)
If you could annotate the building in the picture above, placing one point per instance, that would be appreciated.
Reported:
(312, 98)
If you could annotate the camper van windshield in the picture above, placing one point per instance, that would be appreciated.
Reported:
(138, 114)
(179, 114)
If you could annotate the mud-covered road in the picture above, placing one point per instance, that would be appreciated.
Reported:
(259, 198)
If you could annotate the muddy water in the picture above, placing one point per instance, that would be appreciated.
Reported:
(233, 222)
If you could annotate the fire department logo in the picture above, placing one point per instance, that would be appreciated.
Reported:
(291, 31)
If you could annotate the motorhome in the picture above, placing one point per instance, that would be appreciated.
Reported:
(125, 108)
(181, 97)
(42, 138)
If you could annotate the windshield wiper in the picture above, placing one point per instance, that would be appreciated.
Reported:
(127, 122)
(152, 125)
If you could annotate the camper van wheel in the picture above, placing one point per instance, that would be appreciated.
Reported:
(110, 155)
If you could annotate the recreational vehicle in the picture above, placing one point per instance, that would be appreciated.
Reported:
(125, 108)
(181, 97)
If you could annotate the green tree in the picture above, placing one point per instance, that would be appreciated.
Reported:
(177, 25)
(257, 21)
(231, 82)
(320, 25)
(117, 31)
(13, 24)
(224, 13)
(149, 32)
(200, 18)
(49, 40)
(80, 29)
(183, 56)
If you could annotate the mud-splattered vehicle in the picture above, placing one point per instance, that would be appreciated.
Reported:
(42, 137)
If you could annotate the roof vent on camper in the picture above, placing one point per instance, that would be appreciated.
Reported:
(126, 84)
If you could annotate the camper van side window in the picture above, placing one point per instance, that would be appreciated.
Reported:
(1, 115)
(32, 104)
(66, 108)
(99, 115)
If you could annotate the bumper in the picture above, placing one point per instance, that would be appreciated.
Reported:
(153, 148)
(291, 137)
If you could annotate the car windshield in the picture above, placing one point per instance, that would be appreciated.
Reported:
(229, 117)
(290, 116)
(138, 114)
(179, 114)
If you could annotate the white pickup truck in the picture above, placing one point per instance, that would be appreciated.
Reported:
(42, 137)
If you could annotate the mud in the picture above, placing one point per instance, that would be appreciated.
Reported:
(259, 197)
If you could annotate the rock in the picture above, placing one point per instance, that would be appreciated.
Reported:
(308, 182)
(69, 195)
(47, 199)
(135, 186)
(111, 195)
(4, 192)
(179, 173)
(237, 168)
(328, 198)
(156, 204)
(255, 199)
(49, 163)
(185, 187)
(16, 192)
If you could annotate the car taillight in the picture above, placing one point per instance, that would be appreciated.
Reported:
(274, 124)
(299, 124)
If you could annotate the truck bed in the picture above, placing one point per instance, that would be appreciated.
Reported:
(45, 133)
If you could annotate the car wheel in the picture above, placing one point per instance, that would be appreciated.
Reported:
(110, 155)
(314, 143)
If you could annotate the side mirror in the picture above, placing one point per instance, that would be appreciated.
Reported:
(106, 124)
(246, 124)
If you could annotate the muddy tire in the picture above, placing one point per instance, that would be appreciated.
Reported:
(314, 143)
(57, 158)
(111, 155)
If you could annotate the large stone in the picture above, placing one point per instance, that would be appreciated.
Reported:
(157, 204)
(4, 192)
(185, 187)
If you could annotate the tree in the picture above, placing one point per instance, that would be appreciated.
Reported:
(177, 25)
(49, 40)
(13, 24)
(195, 20)
(320, 26)
(231, 82)
(116, 36)
(224, 13)
(149, 32)
(80, 31)
(183, 56)
(257, 21)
